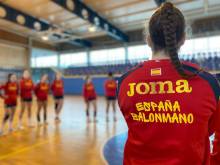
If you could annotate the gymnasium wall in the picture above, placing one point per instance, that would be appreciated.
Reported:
(13, 56)
(74, 86)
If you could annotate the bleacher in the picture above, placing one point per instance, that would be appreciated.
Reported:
(98, 70)
(208, 61)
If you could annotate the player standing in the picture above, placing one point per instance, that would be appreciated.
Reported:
(10, 93)
(26, 91)
(57, 88)
(171, 108)
(89, 94)
(110, 93)
(41, 91)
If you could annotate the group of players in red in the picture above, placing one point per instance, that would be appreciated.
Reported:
(25, 88)
(90, 96)
(11, 90)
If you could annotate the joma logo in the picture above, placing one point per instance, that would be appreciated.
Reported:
(159, 87)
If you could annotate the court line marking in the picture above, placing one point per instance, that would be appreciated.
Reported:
(103, 145)
(26, 148)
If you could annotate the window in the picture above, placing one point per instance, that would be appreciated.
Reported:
(107, 56)
(47, 61)
(200, 44)
(139, 53)
(99, 57)
(188, 47)
(73, 59)
(116, 55)
(44, 58)
(214, 43)
(33, 61)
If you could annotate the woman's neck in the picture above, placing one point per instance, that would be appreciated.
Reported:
(160, 55)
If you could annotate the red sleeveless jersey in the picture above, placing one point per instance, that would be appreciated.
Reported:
(57, 88)
(89, 91)
(41, 91)
(110, 88)
(26, 88)
(10, 93)
(169, 118)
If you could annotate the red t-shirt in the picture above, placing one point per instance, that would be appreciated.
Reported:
(89, 91)
(57, 88)
(26, 88)
(169, 118)
(41, 91)
(110, 88)
(10, 93)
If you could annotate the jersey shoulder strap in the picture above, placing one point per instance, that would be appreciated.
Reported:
(124, 76)
(212, 81)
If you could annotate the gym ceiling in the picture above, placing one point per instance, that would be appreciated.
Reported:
(87, 24)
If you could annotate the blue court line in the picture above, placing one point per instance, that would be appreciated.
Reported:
(114, 149)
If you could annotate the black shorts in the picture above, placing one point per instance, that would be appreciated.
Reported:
(41, 100)
(91, 99)
(110, 98)
(10, 105)
(28, 100)
(58, 97)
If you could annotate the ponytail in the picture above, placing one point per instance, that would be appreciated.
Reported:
(167, 27)
(169, 30)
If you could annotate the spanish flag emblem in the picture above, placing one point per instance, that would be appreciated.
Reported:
(156, 72)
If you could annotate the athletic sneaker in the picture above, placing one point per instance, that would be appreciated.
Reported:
(10, 130)
(88, 120)
(30, 125)
(39, 124)
(107, 119)
(57, 119)
(46, 123)
(20, 127)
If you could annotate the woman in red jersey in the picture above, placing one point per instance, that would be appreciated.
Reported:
(26, 89)
(41, 92)
(110, 93)
(58, 93)
(171, 108)
(89, 95)
(10, 90)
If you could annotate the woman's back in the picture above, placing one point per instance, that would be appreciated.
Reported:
(169, 118)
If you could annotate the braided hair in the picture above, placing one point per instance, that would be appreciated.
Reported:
(167, 29)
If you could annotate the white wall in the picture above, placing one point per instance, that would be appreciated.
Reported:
(13, 56)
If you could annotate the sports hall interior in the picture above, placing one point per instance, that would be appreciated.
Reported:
(79, 38)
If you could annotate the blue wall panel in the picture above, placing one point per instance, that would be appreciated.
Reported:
(74, 86)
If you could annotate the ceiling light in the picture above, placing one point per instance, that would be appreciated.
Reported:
(3, 12)
(70, 5)
(97, 21)
(85, 14)
(92, 28)
(106, 26)
(45, 38)
(37, 26)
(21, 19)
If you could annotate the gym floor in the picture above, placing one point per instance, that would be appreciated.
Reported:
(71, 142)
